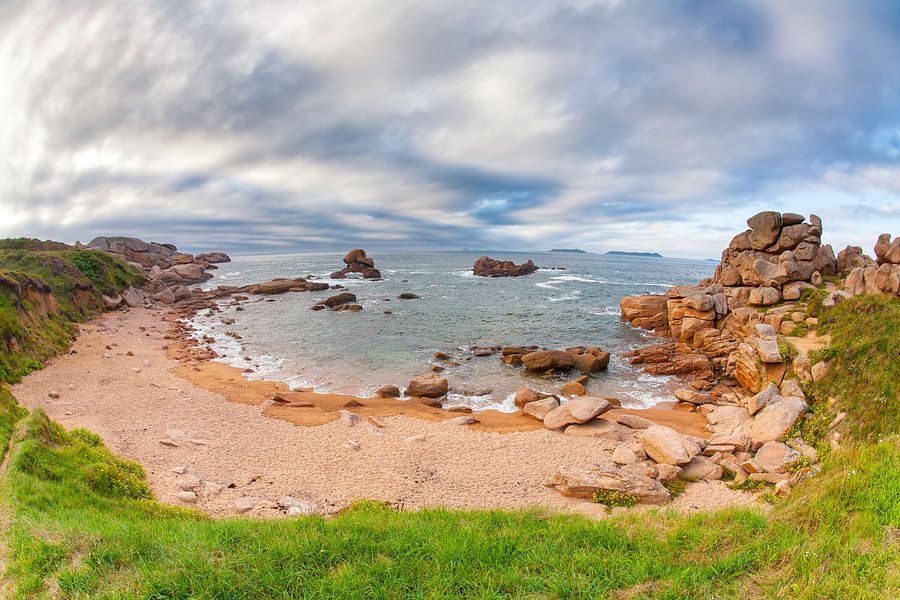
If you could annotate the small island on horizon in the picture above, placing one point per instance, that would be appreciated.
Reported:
(646, 254)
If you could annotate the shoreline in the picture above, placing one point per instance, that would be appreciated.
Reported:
(205, 419)
(199, 366)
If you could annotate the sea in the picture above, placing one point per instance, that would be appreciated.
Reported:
(572, 300)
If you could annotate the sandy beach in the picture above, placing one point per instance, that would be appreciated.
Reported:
(203, 419)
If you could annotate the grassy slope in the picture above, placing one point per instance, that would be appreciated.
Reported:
(78, 278)
(81, 525)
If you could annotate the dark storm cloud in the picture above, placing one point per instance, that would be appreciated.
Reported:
(283, 125)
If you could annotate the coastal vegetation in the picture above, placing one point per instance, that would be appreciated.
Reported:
(80, 521)
(45, 288)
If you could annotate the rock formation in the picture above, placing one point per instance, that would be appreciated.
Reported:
(488, 267)
(357, 262)
(880, 276)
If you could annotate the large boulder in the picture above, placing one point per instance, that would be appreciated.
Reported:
(577, 410)
(353, 256)
(772, 422)
(526, 395)
(338, 299)
(665, 445)
(765, 227)
(430, 385)
(585, 483)
(541, 408)
(547, 360)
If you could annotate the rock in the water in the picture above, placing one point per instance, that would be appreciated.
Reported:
(584, 483)
(573, 388)
(772, 422)
(388, 391)
(665, 445)
(525, 395)
(431, 385)
(576, 410)
(546, 360)
(488, 267)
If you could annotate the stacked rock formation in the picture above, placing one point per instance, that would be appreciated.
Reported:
(168, 271)
(777, 249)
(357, 262)
(879, 276)
(488, 267)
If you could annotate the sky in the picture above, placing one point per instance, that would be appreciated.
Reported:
(270, 126)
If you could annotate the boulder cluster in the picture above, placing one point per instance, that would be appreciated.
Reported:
(357, 262)
(866, 276)
(778, 248)
(169, 271)
(488, 267)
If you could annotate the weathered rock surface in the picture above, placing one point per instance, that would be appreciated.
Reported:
(665, 445)
(772, 422)
(489, 267)
(427, 386)
(584, 483)
(577, 410)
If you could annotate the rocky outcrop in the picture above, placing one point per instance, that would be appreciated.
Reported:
(488, 267)
(647, 312)
(213, 258)
(357, 262)
(880, 276)
(168, 271)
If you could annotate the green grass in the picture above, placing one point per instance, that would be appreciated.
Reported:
(865, 375)
(31, 330)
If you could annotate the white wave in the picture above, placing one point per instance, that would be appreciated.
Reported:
(575, 278)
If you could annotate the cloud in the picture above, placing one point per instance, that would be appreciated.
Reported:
(278, 125)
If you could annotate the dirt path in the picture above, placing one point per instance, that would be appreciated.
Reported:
(120, 383)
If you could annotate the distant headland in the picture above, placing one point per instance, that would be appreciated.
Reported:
(646, 254)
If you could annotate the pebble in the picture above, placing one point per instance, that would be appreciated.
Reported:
(244, 504)
(188, 482)
(375, 421)
(348, 418)
(187, 497)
